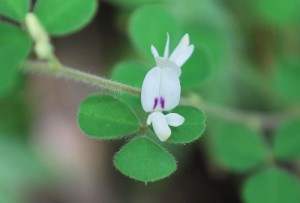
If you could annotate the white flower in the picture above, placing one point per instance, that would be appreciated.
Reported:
(161, 87)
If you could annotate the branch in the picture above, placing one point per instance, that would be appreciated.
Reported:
(60, 71)
(255, 120)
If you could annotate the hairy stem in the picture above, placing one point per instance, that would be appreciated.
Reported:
(255, 120)
(60, 71)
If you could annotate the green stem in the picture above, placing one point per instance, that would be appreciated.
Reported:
(58, 70)
(255, 120)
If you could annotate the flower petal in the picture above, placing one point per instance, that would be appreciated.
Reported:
(154, 51)
(151, 89)
(166, 54)
(181, 47)
(169, 88)
(184, 56)
(160, 126)
(174, 119)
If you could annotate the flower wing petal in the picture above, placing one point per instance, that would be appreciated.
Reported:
(181, 47)
(170, 88)
(174, 119)
(151, 88)
(160, 126)
(184, 56)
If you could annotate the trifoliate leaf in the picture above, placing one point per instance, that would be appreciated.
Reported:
(272, 185)
(144, 160)
(64, 17)
(105, 117)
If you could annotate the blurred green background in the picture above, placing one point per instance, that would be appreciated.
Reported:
(244, 74)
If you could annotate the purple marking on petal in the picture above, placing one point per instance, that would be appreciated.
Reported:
(155, 103)
(162, 102)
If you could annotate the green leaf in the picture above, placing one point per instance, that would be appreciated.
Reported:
(15, 46)
(286, 79)
(272, 185)
(15, 9)
(287, 141)
(149, 25)
(213, 43)
(131, 73)
(277, 12)
(105, 117)
(143, 160)
(196, 69)
(192, 128)
(61, 18)
(238, 147)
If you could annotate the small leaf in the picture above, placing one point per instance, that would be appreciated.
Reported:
(131, 73)
(158, 21)
(272, 185)
(196, 69)
(15, 46)
(61, 18)
(143, 160)
(238, 147)
(287, 141)
(212, 42)
(15, 9)
(105, 117)
(192, 128)
(13, 39)
(286, 79)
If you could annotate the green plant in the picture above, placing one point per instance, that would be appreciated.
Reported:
(236, 140)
